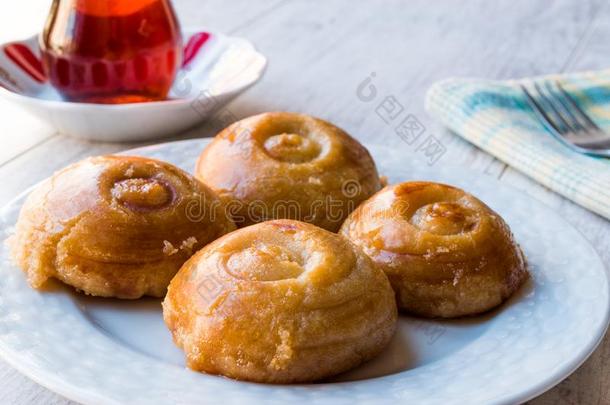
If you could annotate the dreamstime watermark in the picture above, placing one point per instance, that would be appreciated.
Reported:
(406, 126)
(334, 207)
(351, 188)
(220, 117)
(432, 331)
(218, 297)
(204, 102)
(214, 294)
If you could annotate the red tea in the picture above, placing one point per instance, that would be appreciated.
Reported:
(112, 51)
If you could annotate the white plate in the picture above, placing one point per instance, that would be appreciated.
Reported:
(220, 68)
(108, 351)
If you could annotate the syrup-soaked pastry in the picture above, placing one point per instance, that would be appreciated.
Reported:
(281, 302)
(446, 253)
(116, 226)
(287, 165)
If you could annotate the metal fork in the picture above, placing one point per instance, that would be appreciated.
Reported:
(564, 118)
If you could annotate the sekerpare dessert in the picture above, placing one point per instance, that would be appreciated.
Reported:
(115, 226)
(287, 165)
(446, 253)
(280, 302)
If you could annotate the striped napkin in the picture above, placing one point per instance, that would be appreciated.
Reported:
(495, 116)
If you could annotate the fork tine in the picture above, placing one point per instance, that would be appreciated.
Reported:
(566, 110)
(553, 105)
(541, 111)
(576, 108)
(566, 121)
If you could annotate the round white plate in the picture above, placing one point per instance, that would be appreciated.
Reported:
(108, 351)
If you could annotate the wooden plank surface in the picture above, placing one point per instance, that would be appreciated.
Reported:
(320, 51)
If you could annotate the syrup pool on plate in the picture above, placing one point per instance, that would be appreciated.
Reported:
(111, 51)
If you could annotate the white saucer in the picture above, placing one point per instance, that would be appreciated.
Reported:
(109, 351)
(221, 68)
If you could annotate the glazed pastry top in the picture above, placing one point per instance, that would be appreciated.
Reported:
(296, 143)
(123, 210)
(115, 211)
(291, 261)
(280, 301)
(291, 159)
(428, 221)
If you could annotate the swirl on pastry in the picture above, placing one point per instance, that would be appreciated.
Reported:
(445, 252)
(282, 301)
(286, 165)
(115, 226)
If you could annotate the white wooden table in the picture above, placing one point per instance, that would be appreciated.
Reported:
(319, 51)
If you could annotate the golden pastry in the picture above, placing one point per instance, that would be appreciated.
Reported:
(445, 252)
(282, 301)
(116, 226)
(287, 165)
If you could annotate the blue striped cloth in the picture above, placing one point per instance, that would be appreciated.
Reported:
(495, 117)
